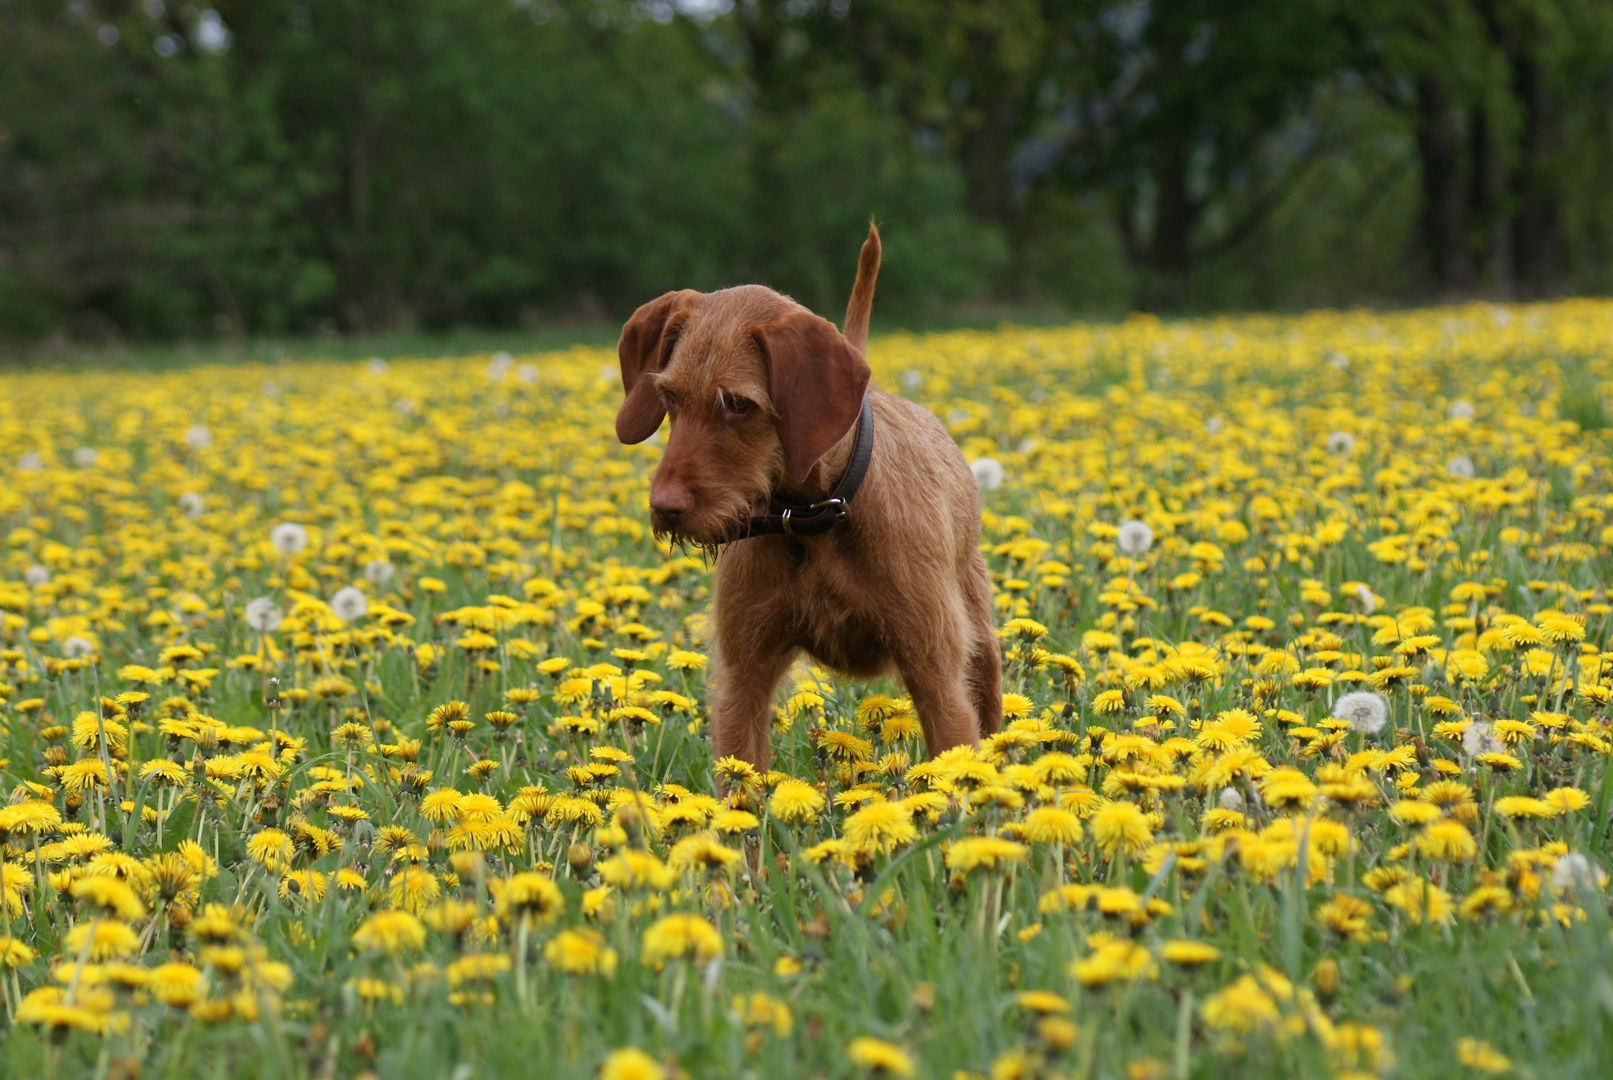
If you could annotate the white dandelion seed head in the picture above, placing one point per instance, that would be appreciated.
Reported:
(1339, 362)
(263, 615)
(1480, 738)
(1213, 425)
(348, 604)
(1230, 799)
(912, 379)
(610, 373)
(526, 374)
(30, 462)
(75, 647)
(288, 537)
(988, 473)
(1369, 603)
(1460, 467)
(957, 416)
(1367, 712)
(654, 439)
(191, 504)
(1028, 446)
(378, 571)
(501, 409)
(1340, 443)
(375, 366)
(499, 366)
(271, 390)
(404, 406)
(1575, 871)
(1461, 409)
(85, 457)
(36, 575)
(1135, 537)
(197, 437)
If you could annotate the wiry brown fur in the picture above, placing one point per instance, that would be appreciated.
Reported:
(898, 586)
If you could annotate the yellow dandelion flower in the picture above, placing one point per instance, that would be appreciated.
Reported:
(527, 897)
(1050, 825)
(390, 931)
(1120, 826)
(110, 895)
(1189, 953)
(879, 1056)
(1447, 841)
(795, 802)
(630, 1063)
(1041, 1001)
(1481, 1056)
(984, 853)
(676, 937)
(107, 940)
(881, 827)
(580, 952)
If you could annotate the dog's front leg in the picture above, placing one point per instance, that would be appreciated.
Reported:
(744, 674)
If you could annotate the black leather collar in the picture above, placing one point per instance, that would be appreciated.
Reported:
(785, 516)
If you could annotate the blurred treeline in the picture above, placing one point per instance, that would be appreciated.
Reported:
(273, 167)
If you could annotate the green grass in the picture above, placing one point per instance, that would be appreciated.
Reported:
(460, 341)
(488, 494)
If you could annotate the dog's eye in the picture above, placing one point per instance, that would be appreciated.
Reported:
(669, 403)
(735, 407)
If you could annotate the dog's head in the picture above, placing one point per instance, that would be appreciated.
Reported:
(758, 389)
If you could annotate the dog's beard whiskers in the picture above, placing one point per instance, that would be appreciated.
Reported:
(710, 529)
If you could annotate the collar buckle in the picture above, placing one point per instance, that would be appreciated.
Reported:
(811, 519)
(836, 506)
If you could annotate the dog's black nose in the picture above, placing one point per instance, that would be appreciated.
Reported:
(670, 501)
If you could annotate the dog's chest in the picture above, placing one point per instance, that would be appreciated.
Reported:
(820, 598)
(835, 615)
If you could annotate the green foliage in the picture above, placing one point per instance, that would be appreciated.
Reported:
(367, 166)
(363, 166)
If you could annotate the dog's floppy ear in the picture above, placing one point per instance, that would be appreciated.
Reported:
(816, 380)
(645, 345)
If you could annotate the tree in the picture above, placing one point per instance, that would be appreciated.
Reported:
(1175, 110)
(1192, 116)
(1492, 89)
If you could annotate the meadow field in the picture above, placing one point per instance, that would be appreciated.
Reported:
(353, 723)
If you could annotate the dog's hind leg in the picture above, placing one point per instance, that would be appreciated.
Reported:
(986, 682)
(942, 700)
(985, 675)
(933, 661)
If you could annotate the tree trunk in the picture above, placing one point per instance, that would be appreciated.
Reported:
(1536, 224)
(1444, 217)
(1169, 256)
(1489, 200)
(984, 149)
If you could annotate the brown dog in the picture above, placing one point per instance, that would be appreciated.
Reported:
(768, 410)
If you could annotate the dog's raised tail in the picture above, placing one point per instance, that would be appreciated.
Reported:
(862, 291)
